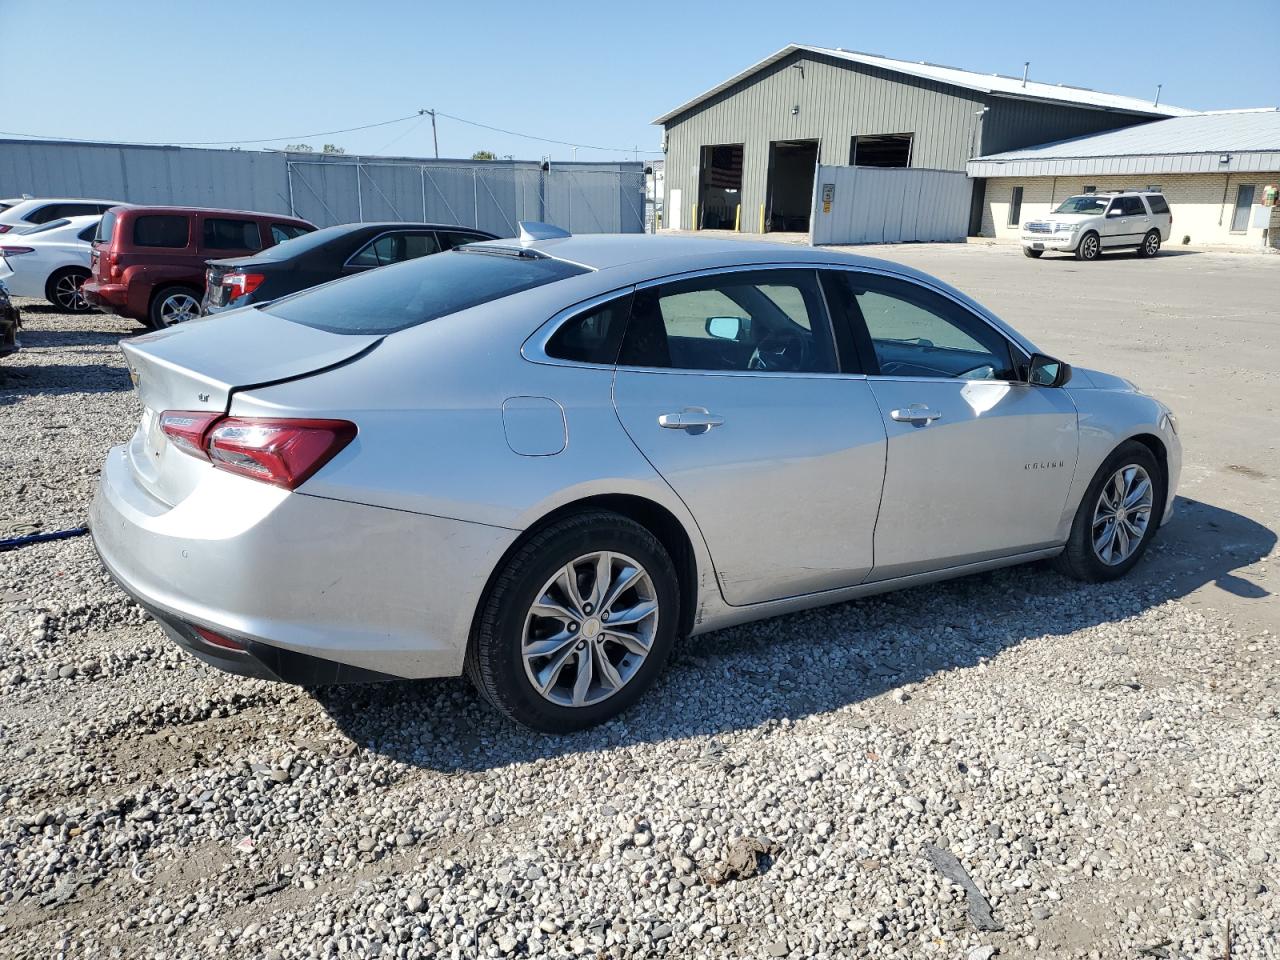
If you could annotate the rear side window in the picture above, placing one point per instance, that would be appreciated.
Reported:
(407, 294)
(160, 230)
(394, 247)
(593, 336)
(1157, 204)
(280, 232)
(449, 239)
(44, 214)
(226, 234)
(88, 232)
(106, 228)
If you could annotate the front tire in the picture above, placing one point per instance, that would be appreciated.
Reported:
(1117, 518)
(577, 624)
(63, 290)
(173, 305)
(1089, 247)
(1033, 254)
(1150, 244)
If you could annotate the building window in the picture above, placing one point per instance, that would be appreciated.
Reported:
(881, 150)
(1015, 207)
(1244, 200)
(1155, 188)
(1090, 188)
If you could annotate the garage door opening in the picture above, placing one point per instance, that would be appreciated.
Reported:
(791, 167)
(720, 187)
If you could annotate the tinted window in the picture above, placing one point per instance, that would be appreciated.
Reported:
(106, 228)
(450, 239)
(88, 232)
(160, 230)
(393, 248)
(226, 234)
(79, 209)
(766, 320)
(593, 336)
(1015, 207)
(918, 333)
(51, 211)
(407, 294)
(311, 240)
(1130, 206)
(1089, 204)
(1157, 204)
(280, 232)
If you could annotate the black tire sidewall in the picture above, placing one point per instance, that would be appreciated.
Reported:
(1033, 254)
(1080, 548)
(498, 666)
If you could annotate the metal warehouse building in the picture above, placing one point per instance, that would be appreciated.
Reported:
(745, 154)
(1219, 171)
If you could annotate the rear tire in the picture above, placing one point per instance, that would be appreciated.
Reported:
(1083, 558)
(500, 661)
(1033, 254)
(1150, 244)
(172, 305)
(1089, 247)
(62, 289)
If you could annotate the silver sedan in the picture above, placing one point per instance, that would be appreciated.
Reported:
(539, 461)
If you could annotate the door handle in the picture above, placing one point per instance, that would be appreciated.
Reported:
(917, 413)
(693, 420)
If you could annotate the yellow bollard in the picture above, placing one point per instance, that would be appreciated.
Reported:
(693, 222)
(737, 219)
(762, 218)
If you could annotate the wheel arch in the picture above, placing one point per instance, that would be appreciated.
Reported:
(654, 517)
(1161, 453)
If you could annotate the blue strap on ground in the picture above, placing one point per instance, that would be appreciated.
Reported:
(13, 543)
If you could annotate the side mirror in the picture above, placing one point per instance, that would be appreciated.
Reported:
(1044, 371)
(724, 328)
(1115, 212)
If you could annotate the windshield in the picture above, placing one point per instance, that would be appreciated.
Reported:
(406, 294)
(1087, 204)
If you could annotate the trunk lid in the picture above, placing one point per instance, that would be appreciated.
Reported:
(198, 365)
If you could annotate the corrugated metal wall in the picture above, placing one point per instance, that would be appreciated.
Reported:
(325, 189)
(1013, 123)
(885, 205)
(837, 100)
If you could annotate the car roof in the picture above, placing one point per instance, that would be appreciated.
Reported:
(40, 201)
(161, 208)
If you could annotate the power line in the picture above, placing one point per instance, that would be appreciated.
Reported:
(529, 136)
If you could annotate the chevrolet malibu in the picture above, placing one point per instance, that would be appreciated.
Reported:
(539, 461)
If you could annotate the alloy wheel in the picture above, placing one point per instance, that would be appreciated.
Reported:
(67, 295)
(1152, 244)
(179, 308)
(590, 629)
(1089, 247)
(1122, 514)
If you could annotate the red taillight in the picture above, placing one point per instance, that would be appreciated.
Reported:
(186, 429)
(15, 251)
(5, 227)
(241, 284)
(285, 453)
(218, 640)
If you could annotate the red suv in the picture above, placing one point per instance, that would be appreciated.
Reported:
(149, 262)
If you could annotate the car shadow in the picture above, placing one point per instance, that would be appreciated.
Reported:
(18, 379)
(794, 666)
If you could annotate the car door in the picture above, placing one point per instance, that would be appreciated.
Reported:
(979, 462)
(729, 383)
(1122, 221)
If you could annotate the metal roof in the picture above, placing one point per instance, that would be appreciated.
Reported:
(1219, 141)
(992, 83)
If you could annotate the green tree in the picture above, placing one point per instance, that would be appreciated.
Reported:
(300, 148)
(484, 155)
(333, 148)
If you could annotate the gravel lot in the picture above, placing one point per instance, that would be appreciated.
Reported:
(1101, 761)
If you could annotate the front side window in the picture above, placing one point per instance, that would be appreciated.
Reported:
(394, 248)
(1131, 206)
(915, 332)
(221, 233)
(51, 211)
(771, 321)
(593, 336)
(106, 228)
(160, 230)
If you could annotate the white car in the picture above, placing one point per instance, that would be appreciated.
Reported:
(50, 261)
(21, 215)
(1092, 222)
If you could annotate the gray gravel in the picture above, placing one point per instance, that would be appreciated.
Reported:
(1100, 760)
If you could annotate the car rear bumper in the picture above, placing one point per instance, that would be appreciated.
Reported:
(108, 296)
(315, 590)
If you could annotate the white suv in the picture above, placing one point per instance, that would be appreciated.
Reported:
(1088, 224)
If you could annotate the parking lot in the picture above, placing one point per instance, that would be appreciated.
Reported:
(1099, 759)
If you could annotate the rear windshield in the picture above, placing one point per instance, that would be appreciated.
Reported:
(303, 243)
(106, 228)
(406, 294)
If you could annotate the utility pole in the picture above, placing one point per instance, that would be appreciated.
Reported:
(434, 141)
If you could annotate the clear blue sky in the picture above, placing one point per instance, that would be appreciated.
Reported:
(587, 72)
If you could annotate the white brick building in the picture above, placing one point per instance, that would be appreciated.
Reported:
(1219, 171)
